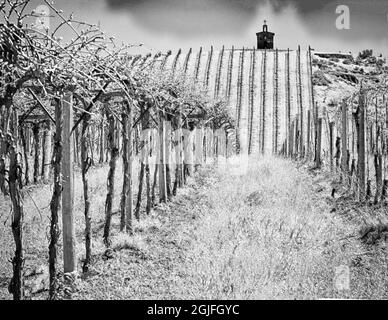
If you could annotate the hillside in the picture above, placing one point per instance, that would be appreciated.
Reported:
(337, 76)
(263, 89)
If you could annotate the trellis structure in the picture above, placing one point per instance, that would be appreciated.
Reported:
(88, 87)
(106, 103)
(351, 140)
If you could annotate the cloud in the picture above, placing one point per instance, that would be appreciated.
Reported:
(188, 17)
(201, 18)
(304, 6)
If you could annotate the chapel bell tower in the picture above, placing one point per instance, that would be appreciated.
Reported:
(265, 39)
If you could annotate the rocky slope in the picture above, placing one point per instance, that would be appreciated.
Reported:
(336, 76)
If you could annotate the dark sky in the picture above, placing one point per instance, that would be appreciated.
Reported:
(169, 24)
(191, 17)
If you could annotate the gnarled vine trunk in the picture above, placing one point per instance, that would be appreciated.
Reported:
(15, 192)
(55, 202)
(85, 165)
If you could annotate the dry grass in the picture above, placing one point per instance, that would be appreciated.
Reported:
(37, 221)
(263, 231)
(264, 236)
(269, 234)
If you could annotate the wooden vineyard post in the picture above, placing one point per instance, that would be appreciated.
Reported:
(178, 153)
(301, 109)
(117, 134)
(221, 135)
(188, 135)
(311, 81)
(167, 156)
(220, 147)
(210, 143)
(162, 159)
(213, 144)
(107, 155)
(331, 138)
(276, 105)
(344, 140)
(114, 152)
(155, 150)
(91, 136)
(371, 139)
(25, 142)
(85, 166)
(207, 145)
(148, 167)
(198, 147)
(46, 160)
(215, 147)
(226, 144)
(130, 164)
(102, 140)
(76, 145)
(378, 158)
(3, 126)
(361, 146)
(296, 137)
(251, 99)
(378, 162)
(142, 151)
(263, 99)
(36, 132)
(182, 148)
(69, 241)
(288, 103)
(308, 133)
(27, 133)
(291, 140)
(126, 199)
(203, 145)
(315, 130)
(319, 144)
(238, 106)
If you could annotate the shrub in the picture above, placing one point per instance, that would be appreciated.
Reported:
(381, 62)
(319, 79)
(365, 54)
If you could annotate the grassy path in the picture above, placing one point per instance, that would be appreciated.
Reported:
(269, 231)
(265, 233)
(272, 231)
